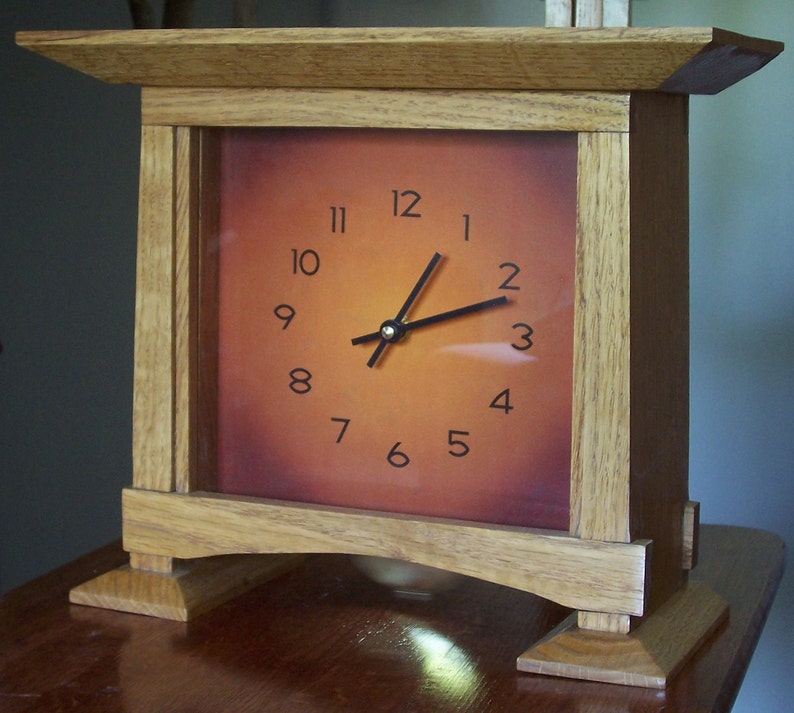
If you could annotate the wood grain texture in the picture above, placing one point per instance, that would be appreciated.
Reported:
(564, 569)
(649, 657)
(602, 59)
(324, 638)
(186, 592)
(395, 109)
(153, 399)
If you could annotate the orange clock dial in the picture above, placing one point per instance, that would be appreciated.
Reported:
(396, 320)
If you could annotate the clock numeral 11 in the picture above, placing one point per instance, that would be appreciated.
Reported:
(338, 218)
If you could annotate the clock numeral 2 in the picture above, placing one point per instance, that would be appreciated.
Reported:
(405, 202)
(514, 270)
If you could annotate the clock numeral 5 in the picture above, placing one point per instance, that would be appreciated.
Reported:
(459, 448)
(405, 202)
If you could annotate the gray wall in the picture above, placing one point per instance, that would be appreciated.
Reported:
(67, 252)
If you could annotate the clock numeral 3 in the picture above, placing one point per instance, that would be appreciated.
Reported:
(301, 380)
(524, 336)
(405, 202)
(397, 458)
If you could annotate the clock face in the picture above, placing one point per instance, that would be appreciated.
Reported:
(395, 320)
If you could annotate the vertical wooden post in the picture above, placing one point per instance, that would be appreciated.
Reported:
(587, 13)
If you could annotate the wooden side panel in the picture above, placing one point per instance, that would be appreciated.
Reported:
(185, 306)
(153, 401)
(573, 572)
(660, 333)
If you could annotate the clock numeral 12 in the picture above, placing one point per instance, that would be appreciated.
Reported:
(405, 202)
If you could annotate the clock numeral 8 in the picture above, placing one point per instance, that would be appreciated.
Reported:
(301, 379)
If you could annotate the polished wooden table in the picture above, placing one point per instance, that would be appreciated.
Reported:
(323, 637)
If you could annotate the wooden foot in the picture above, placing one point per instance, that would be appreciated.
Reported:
(648, 657)
(193, 588)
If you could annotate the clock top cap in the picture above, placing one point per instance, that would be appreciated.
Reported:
(678, 60)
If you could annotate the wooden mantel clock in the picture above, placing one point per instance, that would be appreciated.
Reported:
(419, 294)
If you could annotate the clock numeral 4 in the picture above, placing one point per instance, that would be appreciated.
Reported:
(502, 402)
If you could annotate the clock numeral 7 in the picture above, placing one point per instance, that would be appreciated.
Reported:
(405, 202)
(345, 423)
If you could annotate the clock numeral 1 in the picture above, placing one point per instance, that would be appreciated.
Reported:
(345, 423)
(466, 223)
(338, 216)
(305, 261)
(301, 380)
(502, 402)
(408, 199)
(459, 448)
(397, 458)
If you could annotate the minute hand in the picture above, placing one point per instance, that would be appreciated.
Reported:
(402, 328)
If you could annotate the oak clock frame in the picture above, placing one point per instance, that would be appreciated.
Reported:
(622, 566)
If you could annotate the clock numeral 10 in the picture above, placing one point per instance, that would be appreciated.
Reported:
(306, 262)
(405, 202)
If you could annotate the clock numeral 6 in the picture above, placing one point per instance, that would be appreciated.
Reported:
(459, 448)
(306, 261)
(397, 458)
(301, 379)
(502, 402)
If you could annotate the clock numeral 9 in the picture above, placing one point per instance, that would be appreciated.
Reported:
(459, 448)
(306, 262)
(397, 458)
(301, 380)
(405, 202)
(285, 313)
(524, 336)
